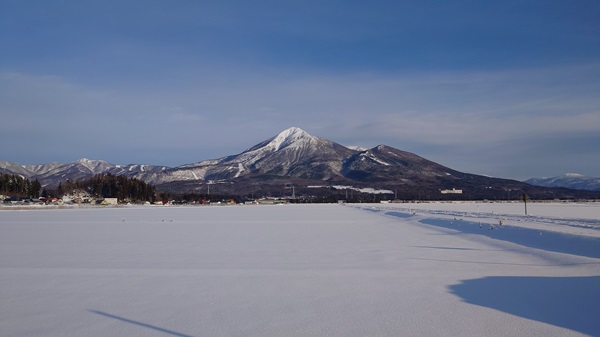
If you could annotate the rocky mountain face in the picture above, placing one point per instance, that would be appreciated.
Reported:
(569, 180)
(8, 167)
(296, 160)
(50, 175)
(293, 153)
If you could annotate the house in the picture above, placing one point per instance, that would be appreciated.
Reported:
(452, 191)
(16, 200)
(107, 201)
(269, 201)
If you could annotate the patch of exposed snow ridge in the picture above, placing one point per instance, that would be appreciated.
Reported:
(357, 148)
(377, 160)
(91, 165)
(294, 138)
(289, 136)
(86, 163)
(240, 170)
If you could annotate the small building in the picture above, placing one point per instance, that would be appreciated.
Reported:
(269, 201)
(107, 201)
(452, 191)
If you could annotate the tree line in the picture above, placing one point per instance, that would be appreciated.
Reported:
(110, 186)
(16, 185)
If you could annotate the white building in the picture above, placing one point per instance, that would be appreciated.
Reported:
(452, 191)
(109, 201)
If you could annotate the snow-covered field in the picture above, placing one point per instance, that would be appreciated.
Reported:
(302, 270)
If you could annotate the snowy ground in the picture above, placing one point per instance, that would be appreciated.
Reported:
(301, 270)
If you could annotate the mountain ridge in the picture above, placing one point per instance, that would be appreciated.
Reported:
(294, 157)
(568, 180)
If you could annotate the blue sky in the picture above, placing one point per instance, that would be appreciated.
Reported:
(501, 88)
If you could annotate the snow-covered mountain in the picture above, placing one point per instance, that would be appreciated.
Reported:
(77, 169)
(568, 180)
(387, 163)
(294, 152)
(50, 175)
(8, 167)
(294, 157)
(291, 153)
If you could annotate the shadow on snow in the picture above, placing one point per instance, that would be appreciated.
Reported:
(145, 325)
(534, 238)
(568, 302)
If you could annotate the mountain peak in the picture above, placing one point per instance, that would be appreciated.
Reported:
(289, 136)
(95, 166)
(84, 161)
(293, 132)
(292, 129)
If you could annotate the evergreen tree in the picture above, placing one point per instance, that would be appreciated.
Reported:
(35, 188)
(12, 184)
(111, 186)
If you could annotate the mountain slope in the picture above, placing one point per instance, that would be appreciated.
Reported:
(291, 153)
(293, 157)
(569, 180)
(294, 153)
(13, 168)
(383, 163)
(50, 175)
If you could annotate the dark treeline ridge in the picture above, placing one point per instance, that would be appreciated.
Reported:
(110, 186)
(15, 185)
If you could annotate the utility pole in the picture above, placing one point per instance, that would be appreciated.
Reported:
(525, 197)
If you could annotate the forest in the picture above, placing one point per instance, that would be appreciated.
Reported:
(109, 186)
(16, 185)
(102, 185)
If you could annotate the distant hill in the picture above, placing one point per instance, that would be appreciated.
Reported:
(294, 162)
(568, 180)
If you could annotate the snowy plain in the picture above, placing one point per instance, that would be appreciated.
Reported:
(438, 269)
